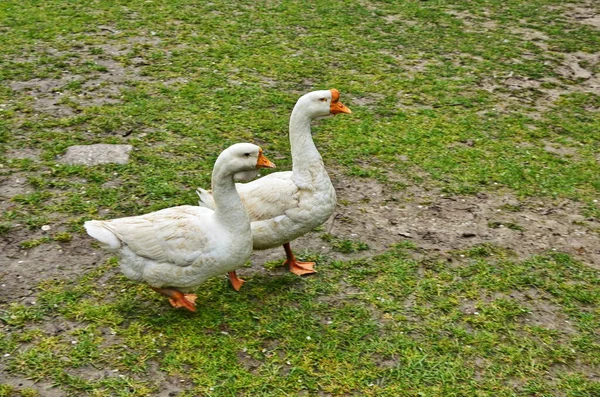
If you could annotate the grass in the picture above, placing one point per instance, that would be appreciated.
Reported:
(344, 245)
(450, 95)
(385, 326)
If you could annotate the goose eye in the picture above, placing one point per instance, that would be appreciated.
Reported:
(247, 154)
(323, 99)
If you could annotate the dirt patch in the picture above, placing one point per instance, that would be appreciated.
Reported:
(100, 87)
(25, 153)
(473, 23)
(345, 293)
(532, 35)
(542, 312)
(575, 74)
(467, 18)
(367, 100)
(585, 13)
(23, 269)
(559, 150)
(45, 389)
(373, 213)
(13, 185)
(380, 217)
(248, 362)
(580, 66)
(48, 95)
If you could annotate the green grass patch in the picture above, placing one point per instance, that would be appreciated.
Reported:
(346, 246)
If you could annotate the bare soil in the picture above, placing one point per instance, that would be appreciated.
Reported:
(375, 214)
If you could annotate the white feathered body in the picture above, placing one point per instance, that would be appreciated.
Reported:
(181, 247)
(283, 208)
(176, 247)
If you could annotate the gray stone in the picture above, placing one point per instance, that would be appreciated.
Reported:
(100, 153)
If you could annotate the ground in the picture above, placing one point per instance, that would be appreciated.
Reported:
(371, 213)
(463, 256)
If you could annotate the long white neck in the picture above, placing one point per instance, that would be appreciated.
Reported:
(305, 156)
(229, 209)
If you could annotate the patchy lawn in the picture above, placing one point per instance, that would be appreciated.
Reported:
(463, 258)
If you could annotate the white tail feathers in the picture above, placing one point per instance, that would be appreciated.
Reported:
(206, 198)
(97, 230)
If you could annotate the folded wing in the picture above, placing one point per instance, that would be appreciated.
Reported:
(177, 235)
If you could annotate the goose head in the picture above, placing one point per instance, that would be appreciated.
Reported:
(242, 160)
(322, 103)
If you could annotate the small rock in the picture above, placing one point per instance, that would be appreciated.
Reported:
(46, 228)
(97, 154)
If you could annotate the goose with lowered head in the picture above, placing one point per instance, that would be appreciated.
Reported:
(176, 249)
(286, 205)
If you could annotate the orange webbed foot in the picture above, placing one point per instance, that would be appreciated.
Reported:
(236, 282)
(187, 301)
(296, 267)
(178, 299)
(300, 268)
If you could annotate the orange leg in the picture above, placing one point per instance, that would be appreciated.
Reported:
(236, 282)
(299, 268)
(178, 299)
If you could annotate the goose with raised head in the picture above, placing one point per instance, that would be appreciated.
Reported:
(286, 205)
(176, 249)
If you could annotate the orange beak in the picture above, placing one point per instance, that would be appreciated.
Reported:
(263, 162)
(336, 106)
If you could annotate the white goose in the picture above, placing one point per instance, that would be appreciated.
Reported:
(286, 205)
(174, 250)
